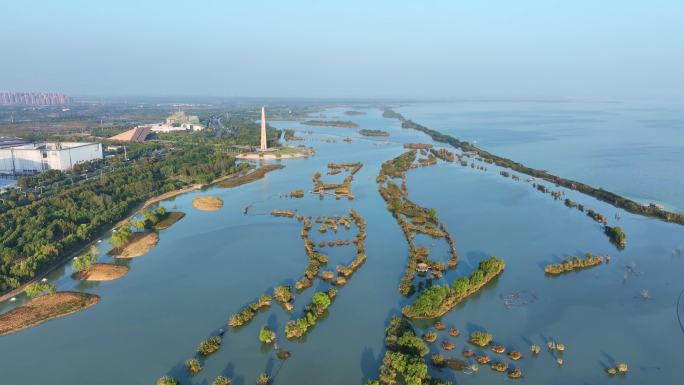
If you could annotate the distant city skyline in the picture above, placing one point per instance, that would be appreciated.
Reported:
(372, 50)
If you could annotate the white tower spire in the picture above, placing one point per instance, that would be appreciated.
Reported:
(264, 145)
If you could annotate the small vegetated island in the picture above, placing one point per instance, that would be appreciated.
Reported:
(598, 193)
(437, 300)
(366, 132)
(256, 174)
(87, 269)
(331, 123)
(575, 263)
(354, 113)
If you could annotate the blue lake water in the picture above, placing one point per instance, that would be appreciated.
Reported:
(635, 149)
(210, 264)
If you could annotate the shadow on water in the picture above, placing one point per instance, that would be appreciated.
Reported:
(370, 364)
(229, 372)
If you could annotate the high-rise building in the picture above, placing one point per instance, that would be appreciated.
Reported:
(34, 99)
(264, 144)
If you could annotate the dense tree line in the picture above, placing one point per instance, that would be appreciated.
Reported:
(35, 235)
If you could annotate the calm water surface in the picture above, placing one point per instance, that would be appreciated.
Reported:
(635, 149)
(210, 264)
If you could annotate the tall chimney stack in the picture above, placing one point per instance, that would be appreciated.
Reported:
(264, 145)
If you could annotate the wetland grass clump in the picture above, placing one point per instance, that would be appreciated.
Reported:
(221, 380)
(167, 380)
(267, 335)
(209, 346)
(480, 339)
(194, 366)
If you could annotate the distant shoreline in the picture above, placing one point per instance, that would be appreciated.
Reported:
(613, 199)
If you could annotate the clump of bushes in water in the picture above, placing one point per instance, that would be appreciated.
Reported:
(267, 335)
(404, 359)
(193, 365)
(246, 314)
(283, 294)
(366, 132)
(443, 154)
(438, 299)
(297, 194)
(576, 263)
(616, 235)
(221, 380)
(166, 380)
(263, 379)
(430, 337)
(39, 288)
(480, 339)
(319, 304)
(209, 346)
(283, 213)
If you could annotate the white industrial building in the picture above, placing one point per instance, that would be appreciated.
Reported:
(37, 157)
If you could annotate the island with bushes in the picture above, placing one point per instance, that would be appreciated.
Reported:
(437, 300)
(331, 123)
(575, 263)
(366, 132)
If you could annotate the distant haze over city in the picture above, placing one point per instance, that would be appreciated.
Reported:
(384, 49)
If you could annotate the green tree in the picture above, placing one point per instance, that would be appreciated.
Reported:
(121, 235)
(39, 288)
(461, 285)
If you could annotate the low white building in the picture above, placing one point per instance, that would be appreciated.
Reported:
(37, 157)
(178, 121)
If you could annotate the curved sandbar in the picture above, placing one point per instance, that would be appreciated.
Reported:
(138, 246)
(101, 272)
(207, 203)
(45, 308)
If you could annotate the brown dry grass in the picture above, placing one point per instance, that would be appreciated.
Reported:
(138, 246)
(45, 308)
(102, 272)
(207, 203)
(170, 218)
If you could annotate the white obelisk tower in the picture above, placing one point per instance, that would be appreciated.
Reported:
(264, 145)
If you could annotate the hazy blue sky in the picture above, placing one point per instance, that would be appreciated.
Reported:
(401, 49)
